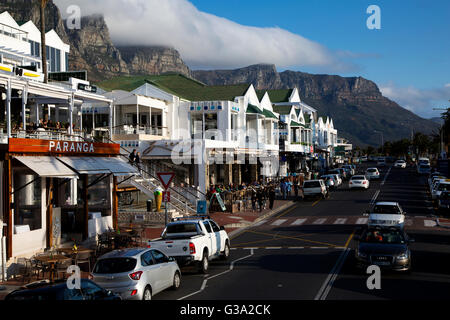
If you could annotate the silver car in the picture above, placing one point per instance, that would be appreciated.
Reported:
(136, 273)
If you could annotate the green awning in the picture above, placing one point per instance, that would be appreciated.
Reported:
(269, 114)
(296, 124)
(253, 109)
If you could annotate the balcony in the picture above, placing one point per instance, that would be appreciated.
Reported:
(130, 132)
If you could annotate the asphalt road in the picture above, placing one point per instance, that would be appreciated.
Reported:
(306, 252)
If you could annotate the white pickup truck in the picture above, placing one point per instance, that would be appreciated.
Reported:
(193, 241)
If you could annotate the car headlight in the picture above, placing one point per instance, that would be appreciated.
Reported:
(403, 256)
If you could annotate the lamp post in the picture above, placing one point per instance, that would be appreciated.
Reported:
(382, 140)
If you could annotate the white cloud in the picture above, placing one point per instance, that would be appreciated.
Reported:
(419, 101)
(205, 40)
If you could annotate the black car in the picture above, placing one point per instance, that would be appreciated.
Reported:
(386, 247)
(444, 202)
(45, 291)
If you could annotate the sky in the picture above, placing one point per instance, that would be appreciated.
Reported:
(408, 57)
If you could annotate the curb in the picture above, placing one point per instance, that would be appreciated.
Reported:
(235, 233)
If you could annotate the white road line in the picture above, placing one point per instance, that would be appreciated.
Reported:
(259, 223)
(233, 248)
(320, 221)
(298, 222)
(361, 220)
(203, 286)
(375, 196)
(326, 287)
(385, 177)
(429, 223)
(319, 247)
(273, 248)
(295, 248)
(249, 248)
(278, 222)
(340, 221)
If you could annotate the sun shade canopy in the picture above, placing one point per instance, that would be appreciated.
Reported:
(48, 167)
(99, 165)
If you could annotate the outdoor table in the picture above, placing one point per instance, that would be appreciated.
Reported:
(52, 259)
(70, 251)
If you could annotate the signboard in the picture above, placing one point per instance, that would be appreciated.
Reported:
(201, 207)
(166, 196)
(88, 88)
(166, 178)
(20, 145)
(219, 199)
(21, 72)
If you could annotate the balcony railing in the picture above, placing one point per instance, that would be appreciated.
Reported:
(130, 129)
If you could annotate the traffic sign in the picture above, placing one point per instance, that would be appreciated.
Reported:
(166, 178)
(166, 196)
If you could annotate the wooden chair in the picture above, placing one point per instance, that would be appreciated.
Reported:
(24, 269)
(61, 267)
(83, 258)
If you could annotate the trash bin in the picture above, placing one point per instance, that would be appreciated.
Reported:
(149, 205)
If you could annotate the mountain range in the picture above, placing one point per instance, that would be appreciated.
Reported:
(359, 110)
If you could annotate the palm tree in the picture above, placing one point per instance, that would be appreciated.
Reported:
(43, 45)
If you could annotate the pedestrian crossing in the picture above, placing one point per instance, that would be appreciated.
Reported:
(317, 221)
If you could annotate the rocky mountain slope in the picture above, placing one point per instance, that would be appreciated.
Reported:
(356, 105)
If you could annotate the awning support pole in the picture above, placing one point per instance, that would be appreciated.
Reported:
(125, 180)
(17, 190)
(103, 176)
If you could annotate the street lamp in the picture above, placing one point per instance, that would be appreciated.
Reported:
(382, 140)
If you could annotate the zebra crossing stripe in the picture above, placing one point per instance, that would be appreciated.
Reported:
(279, 222)
(320, 221)
(260, 223)
(298, 222)
(340, 221)
(361, 220)
(429, 223)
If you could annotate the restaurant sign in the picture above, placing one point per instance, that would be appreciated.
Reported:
(18, 145)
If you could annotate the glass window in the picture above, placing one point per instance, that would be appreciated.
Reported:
(58, 60)
(159, 257)
(53, 59)
(27, 202)
(67, 62)
(196, 126)
(115, 265)
(211, 126)
(207, 226)
(214, 226)
(72, 294)
(147, 259)
(37, 49)
(181, 228)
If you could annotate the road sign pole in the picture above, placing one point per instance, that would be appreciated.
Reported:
(165, 209)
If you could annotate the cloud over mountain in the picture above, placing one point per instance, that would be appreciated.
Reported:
(205, 40)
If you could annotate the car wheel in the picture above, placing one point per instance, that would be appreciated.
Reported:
(147, 294)
(204, 264)
(226, 251)
(176, 281)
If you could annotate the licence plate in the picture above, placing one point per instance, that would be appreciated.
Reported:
(382, 263)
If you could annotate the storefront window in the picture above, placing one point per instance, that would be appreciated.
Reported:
(211, 126)
(197, 126)
(27, 202)
(99, 195)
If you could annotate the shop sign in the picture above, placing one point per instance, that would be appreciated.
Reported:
(20, 145)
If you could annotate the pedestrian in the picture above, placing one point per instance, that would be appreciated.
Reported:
(296, 189)
(271, 197)
(259, 196)
(137, 160)
(254, 201)
(132, 156)
(283, 189)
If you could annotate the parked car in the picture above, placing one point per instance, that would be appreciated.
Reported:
(400, 164)
(193, 241)
(336, 179)
(387, 248)
(423, 169)
(46, 291)
(444, 202)
(440, 186)
(434, 181)
(315, 188)
(336, 172)
(423, 160)
(387, 214)
(136, 273)
(372, 173)
(359, 181)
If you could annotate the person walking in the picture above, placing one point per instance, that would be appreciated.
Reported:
(137, 160)
(296, 189)
(132, 156)
(283, 189)
(259, 196)
(271, 197)
(254, 201)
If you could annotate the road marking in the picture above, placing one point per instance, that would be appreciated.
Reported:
(319, 247)
(375, 196)
(328, 284)
(320, 221)
(340, 221)
(259, 223)
(273, 248)
(362, 220)
(278, 222)
(293, 238)
(385, 177)
(316, 202)
(298, 222)
(203, 286)
(249, 248)
(429, 223)
(296, 248)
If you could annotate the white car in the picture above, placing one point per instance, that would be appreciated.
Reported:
(193, 241)
(364, 159)
(381, 163)
(372, 173)
(314, 188)
(439, 186)
(433, 181)
(337, 178)
(359, 182)
(400, 164)
(331, 183)
(386, 214)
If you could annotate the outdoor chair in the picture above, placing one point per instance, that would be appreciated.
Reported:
(61, 267)
(83, 258)
(24, 269)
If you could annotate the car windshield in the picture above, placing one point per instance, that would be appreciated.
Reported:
(383, 236)
(371, 170)
(444, 187)
(311, 184)
(387, 209)
(115, 265)
(358, 178)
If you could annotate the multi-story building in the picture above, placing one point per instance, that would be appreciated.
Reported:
(326, 141)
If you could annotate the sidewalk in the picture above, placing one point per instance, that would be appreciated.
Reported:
(233, 223)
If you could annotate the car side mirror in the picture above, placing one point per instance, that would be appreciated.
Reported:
(171, 259)
(222, 228)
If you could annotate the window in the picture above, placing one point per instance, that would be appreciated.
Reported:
(181, 228)
(311, 184)
(72, 294)
(159, 257)
(207, 226)
(91, 291)
(58, 60)
(214, 226)
(53, 59)
(115, 265)
(210, 126)
(67, 62)
(27, 202)
(196, 126)
(147, 258)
